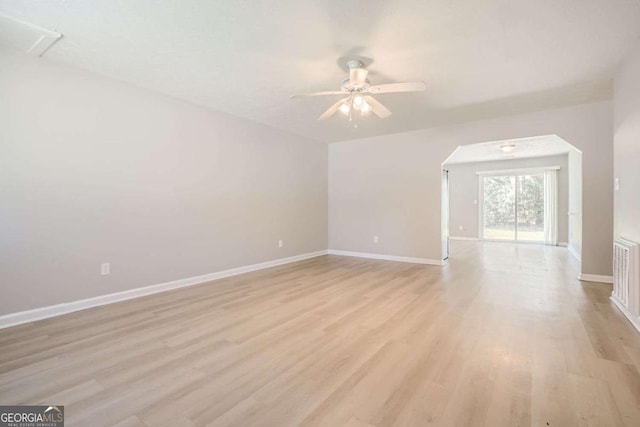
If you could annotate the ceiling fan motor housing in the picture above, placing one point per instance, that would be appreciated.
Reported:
(348, 87)
(357, 79)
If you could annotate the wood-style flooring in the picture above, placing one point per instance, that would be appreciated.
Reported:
(503, 335)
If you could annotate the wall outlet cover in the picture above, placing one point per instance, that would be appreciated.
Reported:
(105, 269)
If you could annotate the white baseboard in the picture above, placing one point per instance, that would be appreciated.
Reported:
(573, 252)
(387, 257)
(28, 316)
(595, 278)
(474, 239)
(635, 320)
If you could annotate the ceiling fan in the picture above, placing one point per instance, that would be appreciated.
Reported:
(358, 90)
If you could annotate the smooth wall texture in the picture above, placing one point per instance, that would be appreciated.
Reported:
(627, 147)
(93, 170)
(575, 203)
(389, 186)
(463, 192)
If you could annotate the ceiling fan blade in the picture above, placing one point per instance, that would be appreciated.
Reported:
(323, 93)
(377, 107)
(398, 87)
(332, 110)
(358, 76)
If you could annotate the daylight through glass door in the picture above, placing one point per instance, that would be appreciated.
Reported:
(513, 207)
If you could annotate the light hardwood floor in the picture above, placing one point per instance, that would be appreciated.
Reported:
(504, 335)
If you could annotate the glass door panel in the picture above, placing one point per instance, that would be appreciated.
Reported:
(499, 207)
(530, 208)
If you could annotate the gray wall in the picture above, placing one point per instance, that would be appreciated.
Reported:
(627, 147)
(93, 170)
(575, 202)
(390, 185)
(463, 191)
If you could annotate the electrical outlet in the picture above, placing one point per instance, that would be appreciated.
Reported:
(105, 269)
(460, 228)
(475, 202)
(616, 185)
(375, 239)
(280, 243)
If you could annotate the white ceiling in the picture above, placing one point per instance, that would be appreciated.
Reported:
(540, 146)
(479, 58)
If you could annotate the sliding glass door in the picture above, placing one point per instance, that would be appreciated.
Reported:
(530, 208)
(499, 208)
(513, 207)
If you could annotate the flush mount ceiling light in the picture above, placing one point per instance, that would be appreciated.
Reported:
(507, 148)
(359, 101)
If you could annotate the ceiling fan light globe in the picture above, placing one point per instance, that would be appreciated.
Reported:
(358, 102)
(344, 108)
(365, 107)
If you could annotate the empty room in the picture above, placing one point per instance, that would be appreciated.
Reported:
(319, 213)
